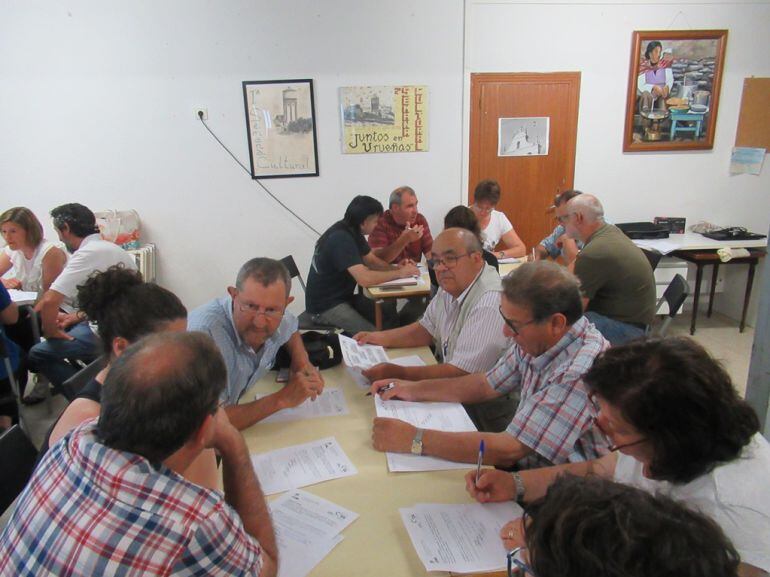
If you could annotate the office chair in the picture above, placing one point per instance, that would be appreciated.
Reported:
(653, 257)
(675, 295)
(306, 322)
(71, 387)
(18, 455)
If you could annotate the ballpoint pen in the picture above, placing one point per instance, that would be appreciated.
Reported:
(481, 459)
(382, 389)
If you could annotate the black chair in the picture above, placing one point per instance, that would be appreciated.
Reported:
(675, 295)
(71, 387)
(18, 455)
(306, 322)
(653, 257)
(14, 396)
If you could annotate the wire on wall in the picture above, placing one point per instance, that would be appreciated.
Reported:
(259, 182)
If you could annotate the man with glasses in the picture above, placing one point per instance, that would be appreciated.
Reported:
(554, 345)
(461, 320)
(249, 326)
(558, 244)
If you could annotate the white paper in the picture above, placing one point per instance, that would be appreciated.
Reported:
(22, 297)
(363, 356)
(330, 403)
(661, 245)
(510, 260)
(459, 538)
(399, 282)
(437, 416)
(298, 555)
(302, 465)
(410, 361)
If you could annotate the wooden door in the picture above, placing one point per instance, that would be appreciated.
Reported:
(528, 183)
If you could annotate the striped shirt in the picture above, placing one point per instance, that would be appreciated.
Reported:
(91, 510)
(555, 417)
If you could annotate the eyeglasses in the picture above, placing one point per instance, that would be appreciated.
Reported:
(448, 261)
(254, 310)
(515, 565)
(612, 448)
(511, 325)
(477, 208)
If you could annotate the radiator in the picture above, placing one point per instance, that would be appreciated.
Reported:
(145, 261)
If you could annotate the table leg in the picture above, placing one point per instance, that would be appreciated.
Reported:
(749, 282)
(714, 275)
(378, 314)
(696, 296)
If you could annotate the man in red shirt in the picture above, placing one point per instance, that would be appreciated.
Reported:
(401, 232)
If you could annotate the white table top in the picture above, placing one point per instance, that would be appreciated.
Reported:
(695, 241)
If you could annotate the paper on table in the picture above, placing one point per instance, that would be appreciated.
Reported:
(299, 554)
(363, 356)
(410, 361)
(330, 403)
(398, 282)
(510, 260)
(23, 297)
(461, 538)
(437, 416)
(302, 465)
(661, 245)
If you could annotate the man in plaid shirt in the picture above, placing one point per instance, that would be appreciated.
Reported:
(108, 499)
(554, 345)
(401, 231)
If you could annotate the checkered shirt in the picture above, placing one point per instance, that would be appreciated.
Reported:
(91, 510)
(388, 230)
(554, 418)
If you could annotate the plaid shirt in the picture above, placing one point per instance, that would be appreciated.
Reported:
(554, 417)
(388, 230)
(92, 510)
(549, 243)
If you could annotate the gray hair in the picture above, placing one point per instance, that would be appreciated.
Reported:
(544, 288)
(396, 195)
(589, 206)
(265, 271)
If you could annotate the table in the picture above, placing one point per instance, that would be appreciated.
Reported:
(678, 117)
(377, 543)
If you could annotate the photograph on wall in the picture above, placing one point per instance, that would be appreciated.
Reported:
(384, 119)
(673, 90)
(280, 124)
(523, 136)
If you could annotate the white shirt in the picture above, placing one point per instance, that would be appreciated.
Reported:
(93, 255)
(734, 494)
(497, 227)
(30, 271)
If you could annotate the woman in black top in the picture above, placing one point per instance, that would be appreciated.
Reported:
(342, 259)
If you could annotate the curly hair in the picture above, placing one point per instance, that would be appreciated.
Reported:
(123, 305)
(680, 399)
(592, 526)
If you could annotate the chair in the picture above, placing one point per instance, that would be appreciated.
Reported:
(675, 295)
(306, 322)
(653, 257)
(18, 455)
(15, 395)
(71, 387)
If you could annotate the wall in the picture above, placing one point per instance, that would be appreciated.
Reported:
(595, 39)
(96, 106)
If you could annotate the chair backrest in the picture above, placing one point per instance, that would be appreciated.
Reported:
(291, 266)
(675, 294)
(653, 257)
(18, 456)
(71, 387)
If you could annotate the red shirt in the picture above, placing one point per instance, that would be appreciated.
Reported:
(388, 230)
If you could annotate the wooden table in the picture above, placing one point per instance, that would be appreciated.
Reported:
(377, 543)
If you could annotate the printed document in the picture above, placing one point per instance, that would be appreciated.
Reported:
(23, 297)
(330, 403)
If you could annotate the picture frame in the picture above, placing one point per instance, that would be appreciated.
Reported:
(281, 128)
(674, 82)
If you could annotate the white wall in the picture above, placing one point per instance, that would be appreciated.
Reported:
(595, 39)
(96, 106)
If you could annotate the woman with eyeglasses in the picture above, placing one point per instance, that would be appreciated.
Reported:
(599, 528)
(677, 427)
(495, 226)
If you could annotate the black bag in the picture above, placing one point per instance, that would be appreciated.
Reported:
(323, 349)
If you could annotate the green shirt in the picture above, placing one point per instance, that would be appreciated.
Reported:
(616, 277)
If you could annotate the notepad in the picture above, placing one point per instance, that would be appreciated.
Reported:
(399, 282)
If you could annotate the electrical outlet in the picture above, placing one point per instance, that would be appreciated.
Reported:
(202, 113)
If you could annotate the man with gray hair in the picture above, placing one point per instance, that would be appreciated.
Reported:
(616, 278)
(401, 232)
(553, 346)
(249, 325)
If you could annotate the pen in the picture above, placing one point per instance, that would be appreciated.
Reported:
(481, 458)
(382, 389)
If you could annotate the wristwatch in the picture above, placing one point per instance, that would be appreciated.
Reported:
(417, 442)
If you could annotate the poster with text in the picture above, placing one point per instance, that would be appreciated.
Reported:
(384, 119)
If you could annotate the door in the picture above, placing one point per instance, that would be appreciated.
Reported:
(528, 183)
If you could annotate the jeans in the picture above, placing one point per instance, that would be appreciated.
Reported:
(617, 332)
(49, 357)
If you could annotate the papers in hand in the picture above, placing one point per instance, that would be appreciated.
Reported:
(459, 538)
(22, 297)
(302, 465)
(358, 357)
(330, 404)
(438, 416)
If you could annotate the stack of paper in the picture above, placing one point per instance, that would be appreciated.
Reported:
(307, 528)
(331, 403)
(459, 538)
(399, 282)
(358, 357)
(23, 297)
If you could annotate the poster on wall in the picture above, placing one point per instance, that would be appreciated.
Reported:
(384, 119)
(526, 136)
(280, 124)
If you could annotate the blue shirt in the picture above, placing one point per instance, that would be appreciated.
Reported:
(11, 347)
(244, 364)
(549, 242)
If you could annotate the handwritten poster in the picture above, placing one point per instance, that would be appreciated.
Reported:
(384, 119)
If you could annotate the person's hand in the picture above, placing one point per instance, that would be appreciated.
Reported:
(413, 233)
(493, 486)
(66, 320)
(57, 333)
(392, 435)
(303, 384)
(384, 371)
(569, 248)
(512, 534)
(409, 269)
(224, 434)
(400, 389)
(369, 338)
(12, 283)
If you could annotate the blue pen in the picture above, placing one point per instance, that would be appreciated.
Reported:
(481, 459)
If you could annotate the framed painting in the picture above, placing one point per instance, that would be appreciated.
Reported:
(673, 90)
(280, 124)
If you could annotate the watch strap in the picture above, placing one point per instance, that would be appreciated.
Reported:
(417, 442)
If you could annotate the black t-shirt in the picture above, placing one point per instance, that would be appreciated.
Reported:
(329, 283)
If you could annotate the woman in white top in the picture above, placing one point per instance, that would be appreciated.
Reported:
(495, 226)
(677, 428)
(35, 260)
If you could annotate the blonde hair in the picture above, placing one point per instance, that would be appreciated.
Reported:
(27, 220)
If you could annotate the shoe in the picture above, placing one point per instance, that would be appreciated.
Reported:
(39, 392)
